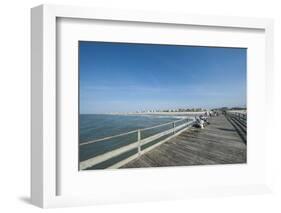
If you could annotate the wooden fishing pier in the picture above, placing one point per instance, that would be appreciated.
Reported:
(222, 141)
(217, 143)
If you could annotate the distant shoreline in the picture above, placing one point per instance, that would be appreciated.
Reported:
(158, 113)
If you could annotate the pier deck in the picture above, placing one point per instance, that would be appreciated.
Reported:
(217, 143)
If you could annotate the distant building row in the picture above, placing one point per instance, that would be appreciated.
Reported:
(191, 109)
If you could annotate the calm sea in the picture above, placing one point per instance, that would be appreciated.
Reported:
(96, 126)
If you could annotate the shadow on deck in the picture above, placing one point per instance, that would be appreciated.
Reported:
(218, 143)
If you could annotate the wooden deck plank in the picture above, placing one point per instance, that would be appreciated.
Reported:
(218, 143)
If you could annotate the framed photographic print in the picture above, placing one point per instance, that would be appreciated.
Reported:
(146, 105)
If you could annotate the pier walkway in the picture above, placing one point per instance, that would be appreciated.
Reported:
(223, 141)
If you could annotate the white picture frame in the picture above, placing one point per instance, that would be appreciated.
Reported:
(45, 178)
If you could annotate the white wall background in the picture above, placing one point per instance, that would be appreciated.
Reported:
(15, 104)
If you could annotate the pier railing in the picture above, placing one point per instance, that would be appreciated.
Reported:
(141, 144)
(239, 122)
(240, 116)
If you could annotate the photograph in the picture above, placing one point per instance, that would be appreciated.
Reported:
(145, 105)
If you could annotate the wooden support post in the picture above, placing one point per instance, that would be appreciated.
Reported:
(174, 126)
(139, 142)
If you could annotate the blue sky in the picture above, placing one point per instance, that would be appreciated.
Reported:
(121, 77)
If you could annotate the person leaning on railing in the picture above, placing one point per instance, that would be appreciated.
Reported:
(199, 122)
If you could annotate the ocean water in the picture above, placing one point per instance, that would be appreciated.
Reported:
(96, 126)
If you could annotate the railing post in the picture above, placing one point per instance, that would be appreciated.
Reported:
(174, 126)
(139, 142)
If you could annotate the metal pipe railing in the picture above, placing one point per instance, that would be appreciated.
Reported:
(130, 132)
(107, 138)
(137, 144)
